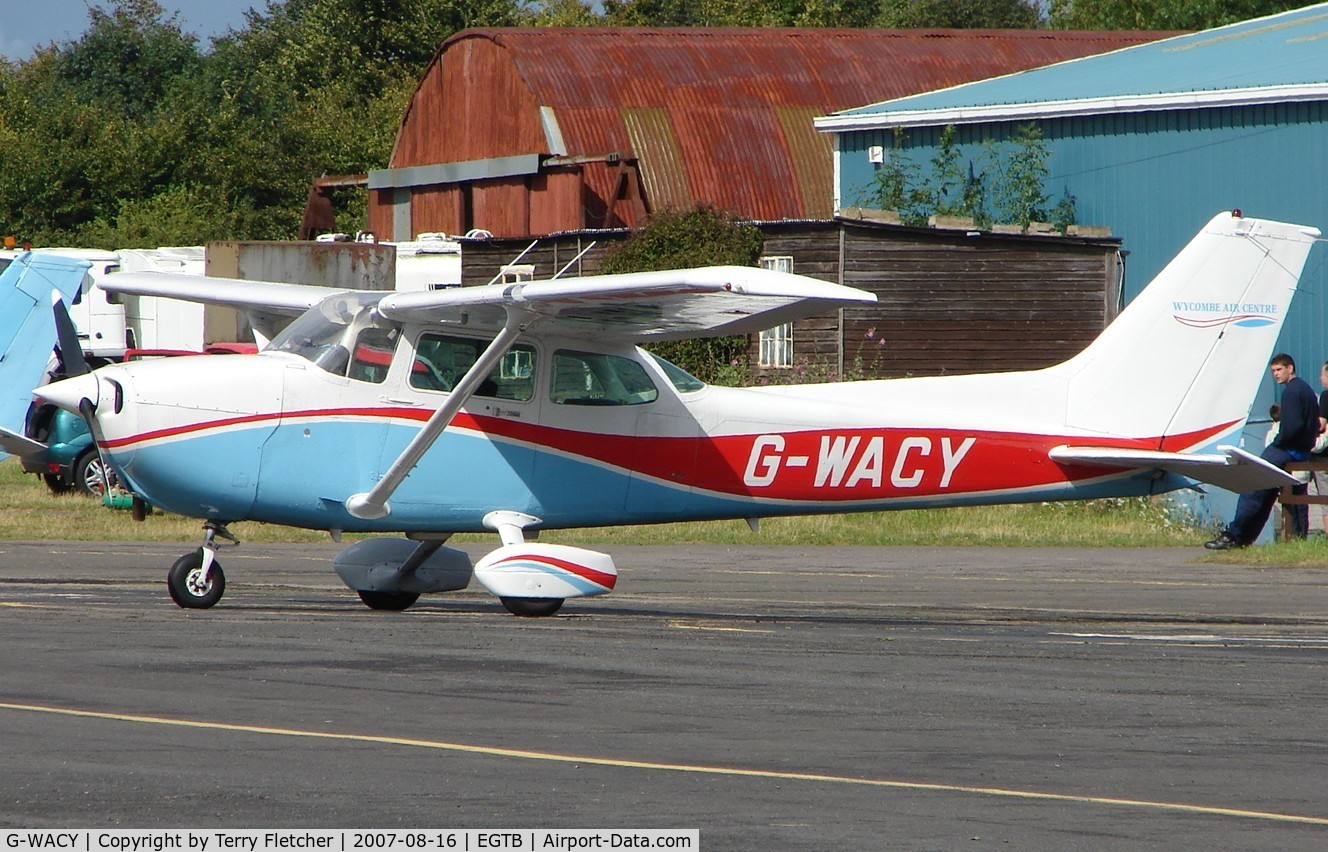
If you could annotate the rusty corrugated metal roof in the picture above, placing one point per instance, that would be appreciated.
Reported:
(722, 116)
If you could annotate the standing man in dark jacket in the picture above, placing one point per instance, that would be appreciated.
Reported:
(1295, 439)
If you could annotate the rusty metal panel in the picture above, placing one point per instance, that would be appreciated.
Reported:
(349, 265)
(813, 158)
(380, 214)
(560, 204)
(435, 209)
(663, 171)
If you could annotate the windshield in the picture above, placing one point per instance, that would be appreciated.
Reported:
(682, 380)
(318, 331)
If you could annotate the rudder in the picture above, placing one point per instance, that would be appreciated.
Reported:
(1186, 357)
(27, 326)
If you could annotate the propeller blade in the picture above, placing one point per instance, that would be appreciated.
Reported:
(89, 411)
(67, 347)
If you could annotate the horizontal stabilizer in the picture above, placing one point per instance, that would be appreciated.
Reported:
(1232, 468)
(17, 445)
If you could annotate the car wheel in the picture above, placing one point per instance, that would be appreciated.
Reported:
(88, 476)
(57, 483)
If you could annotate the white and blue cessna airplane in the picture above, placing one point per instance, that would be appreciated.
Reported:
(518, 408)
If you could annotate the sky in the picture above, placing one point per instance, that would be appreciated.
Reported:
(26, 25)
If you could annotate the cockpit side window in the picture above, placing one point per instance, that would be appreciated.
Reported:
(372, 355)
(441, 360)
(319, 334)
(592, 378)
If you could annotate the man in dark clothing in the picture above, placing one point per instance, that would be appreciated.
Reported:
(1295, 439)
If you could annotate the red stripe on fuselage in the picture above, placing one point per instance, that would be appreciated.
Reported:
(847, 464)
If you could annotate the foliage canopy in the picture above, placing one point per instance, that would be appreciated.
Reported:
(135, 135)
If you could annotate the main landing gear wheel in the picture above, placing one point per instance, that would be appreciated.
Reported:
(187, 586)
(532, 607)
(388, 601)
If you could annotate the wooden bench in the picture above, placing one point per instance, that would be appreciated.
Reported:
(1315, 464)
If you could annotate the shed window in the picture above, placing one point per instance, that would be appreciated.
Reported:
(777, 343)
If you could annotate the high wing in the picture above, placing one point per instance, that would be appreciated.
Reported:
(641, 306)
(266, 303)
(1233, 468)
(646, 306)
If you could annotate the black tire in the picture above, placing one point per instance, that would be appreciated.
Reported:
(86, 474)
(388, 601)
(181, 581)
(57, 483)
(532, 607)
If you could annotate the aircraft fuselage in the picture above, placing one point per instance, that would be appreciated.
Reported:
(278, 438)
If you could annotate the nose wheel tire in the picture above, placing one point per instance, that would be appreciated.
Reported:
(187, 586)
(388, 601)
(532, 607)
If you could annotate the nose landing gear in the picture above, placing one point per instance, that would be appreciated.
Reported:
(196, 580)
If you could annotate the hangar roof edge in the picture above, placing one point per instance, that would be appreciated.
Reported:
(1279, 58)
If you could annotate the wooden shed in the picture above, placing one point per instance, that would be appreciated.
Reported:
(539, 130)
(950, 300)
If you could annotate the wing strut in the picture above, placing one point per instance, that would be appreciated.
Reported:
(372, 504)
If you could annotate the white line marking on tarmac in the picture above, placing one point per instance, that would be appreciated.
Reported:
(1204, 638)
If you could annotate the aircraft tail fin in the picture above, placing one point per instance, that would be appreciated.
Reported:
(1186, 357)
(28, 287)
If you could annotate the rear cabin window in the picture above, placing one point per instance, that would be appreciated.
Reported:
(442, 360)
(591, 378)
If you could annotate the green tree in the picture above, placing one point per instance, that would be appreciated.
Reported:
(1004, 184)
(740, 13)
(898, 185)
(960, 14)
(566, 13)
(130, 58)
(131, 121)
(686, 239)
(1019, 191)
(1159, 14)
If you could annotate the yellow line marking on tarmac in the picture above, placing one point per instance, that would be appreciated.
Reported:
(17, 605)
(554, 757)
(680, 626)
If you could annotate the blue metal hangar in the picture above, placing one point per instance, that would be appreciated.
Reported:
(1151, 141)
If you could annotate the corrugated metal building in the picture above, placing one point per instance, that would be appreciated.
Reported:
(1154, 140)
(537, 130)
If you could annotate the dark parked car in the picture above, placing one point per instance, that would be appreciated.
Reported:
(69, 460)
